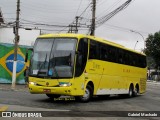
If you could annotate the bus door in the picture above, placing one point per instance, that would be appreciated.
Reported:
(81, 61)
(94, 66)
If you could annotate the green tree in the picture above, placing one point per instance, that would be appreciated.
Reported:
(153, 47)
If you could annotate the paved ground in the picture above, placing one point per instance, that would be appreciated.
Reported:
(17, 87)
(6, 88)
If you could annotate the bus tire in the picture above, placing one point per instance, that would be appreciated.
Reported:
(52, 96)
(136, 91)
(87, 96)
(130, 92)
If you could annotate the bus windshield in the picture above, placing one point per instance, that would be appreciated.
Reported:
(53, 57)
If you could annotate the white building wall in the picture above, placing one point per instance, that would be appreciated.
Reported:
(27, 37)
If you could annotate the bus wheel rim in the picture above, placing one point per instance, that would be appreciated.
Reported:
(130, 92)
(87, 94)
(136, 91)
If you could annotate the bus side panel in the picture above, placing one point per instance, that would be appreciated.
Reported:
(78, 86)
(113, 81)
(116, 78)
(94, 73)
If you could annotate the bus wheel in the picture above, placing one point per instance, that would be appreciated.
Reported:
(52, 96)
(87, 96)
(136, 91)
(130, 92)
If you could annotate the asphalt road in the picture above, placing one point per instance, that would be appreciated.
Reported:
(150, 101)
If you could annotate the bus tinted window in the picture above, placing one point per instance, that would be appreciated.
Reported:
(81, 56)
(120, 55)
(105, 52)
(94, 50)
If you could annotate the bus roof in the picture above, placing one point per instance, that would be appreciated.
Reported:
(88, 36)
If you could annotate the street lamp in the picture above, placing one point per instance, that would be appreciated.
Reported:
(140, 35)
(135, 45)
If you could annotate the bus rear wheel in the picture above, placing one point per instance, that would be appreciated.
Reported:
(130, 92)
(136, 91)
(87, 96)
(52, 96)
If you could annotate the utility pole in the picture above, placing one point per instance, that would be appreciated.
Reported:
(70, 28)
(77, 17)
(74, 26)
(93, 17)
(16, 32)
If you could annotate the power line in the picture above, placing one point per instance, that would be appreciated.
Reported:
(71, 25)
(48, 25)
(123, 28)
(40, 22)
(48, 10)
(105, 18)
(113, 5)
(85, 10)
(79, 7)
(101, 2)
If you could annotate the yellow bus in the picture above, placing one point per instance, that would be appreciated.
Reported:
(82, 66)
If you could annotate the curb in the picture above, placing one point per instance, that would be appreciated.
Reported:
(20, 108)
(5, 89)
(153, 82)
(3, 108)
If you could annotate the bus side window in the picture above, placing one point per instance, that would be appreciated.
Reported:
(126, 57)
(135, 60)
(130, 59)
(112, 54)
(141, 61)
(144, 64)
(81, 57)
(103, 53)
(93, 51)
(120, 56)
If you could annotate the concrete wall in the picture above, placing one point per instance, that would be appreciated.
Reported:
(6, 63)
(7, 53)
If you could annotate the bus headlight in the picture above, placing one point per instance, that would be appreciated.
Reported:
(64, 84)
(32, 83)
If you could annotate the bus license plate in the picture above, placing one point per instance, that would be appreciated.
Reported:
(46, 90)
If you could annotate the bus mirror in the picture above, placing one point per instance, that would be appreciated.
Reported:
(31, 49)
(77, 52)
(26, 57)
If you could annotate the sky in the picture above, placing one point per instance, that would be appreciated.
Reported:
(141, 16)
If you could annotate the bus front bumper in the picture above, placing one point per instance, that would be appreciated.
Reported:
(50, 90)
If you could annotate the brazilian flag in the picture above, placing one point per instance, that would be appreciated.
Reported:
(6, 63)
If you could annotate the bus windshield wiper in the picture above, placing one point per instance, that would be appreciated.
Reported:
(42, 64)
(54, 69)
